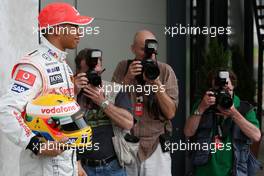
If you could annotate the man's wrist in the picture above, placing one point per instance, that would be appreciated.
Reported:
(158, 86)
(235, 114)
(197, 112)
(104, 104)
(126, 80)
(201, 109)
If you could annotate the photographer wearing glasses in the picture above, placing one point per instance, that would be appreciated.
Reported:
(152, 112)
(227, 125)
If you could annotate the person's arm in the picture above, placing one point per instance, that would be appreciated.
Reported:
(166, 104)
(248, 128)
(166, 92)
(25, 85)
(119, 116)
(123, 76)
(193, 121)
(81, 171)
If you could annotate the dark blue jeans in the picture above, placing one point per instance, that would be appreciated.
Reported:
(110, 169)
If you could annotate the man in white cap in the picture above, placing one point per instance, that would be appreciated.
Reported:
(41, 72)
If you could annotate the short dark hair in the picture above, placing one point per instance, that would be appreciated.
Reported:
(83, 54)
(213, 73)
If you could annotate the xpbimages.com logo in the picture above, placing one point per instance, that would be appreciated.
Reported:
(66, 29)
(52, 145)
(180, 29)
(193, 146)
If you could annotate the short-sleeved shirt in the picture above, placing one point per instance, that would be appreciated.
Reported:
(221, 162)
(102, 131)
(151, 124)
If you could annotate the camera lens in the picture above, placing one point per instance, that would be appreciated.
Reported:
(150, 69)
(94, 78)
(224, 99)
(152, 72)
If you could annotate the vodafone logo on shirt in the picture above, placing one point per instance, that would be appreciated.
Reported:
(58, 110)
(25, 77)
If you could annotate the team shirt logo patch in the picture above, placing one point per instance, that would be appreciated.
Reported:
(53, 53)
(25, 77)
(55, 79)
(51, 63)
(45, 56)
(54, 69)
(18, 88)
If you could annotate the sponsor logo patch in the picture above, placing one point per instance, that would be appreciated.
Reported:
(62, 90)
(53, 53)
(55, 79)
(25, 77)
(18, 88)
(54, 69)
(71, 140)
(51, 63)
(46, 56)
(22, 124)
(60, 109)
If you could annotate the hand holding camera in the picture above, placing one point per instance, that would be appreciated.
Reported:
(80, 81)
(147, 66)
(219, 98)
(135, 68)
(207, 101)
(96, 94)
(226, 112)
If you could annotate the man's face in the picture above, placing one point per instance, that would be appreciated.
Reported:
(138, 49)
(69, 35)
(228, 87)
(138, 46)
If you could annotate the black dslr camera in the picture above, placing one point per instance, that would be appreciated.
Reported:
(92, 60)
(150, 67)
(223, 98)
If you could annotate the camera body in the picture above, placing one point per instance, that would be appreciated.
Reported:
(150, 67)
(92, 60)
(223, 98)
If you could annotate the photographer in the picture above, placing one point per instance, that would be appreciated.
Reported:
(152, 112)
(102, 110)
(222, 119)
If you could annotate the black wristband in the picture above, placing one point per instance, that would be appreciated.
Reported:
(34, 145)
